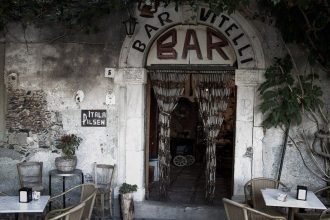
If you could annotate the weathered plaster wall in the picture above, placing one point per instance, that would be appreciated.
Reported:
(2, 89)
(294, 171)
(42, 78)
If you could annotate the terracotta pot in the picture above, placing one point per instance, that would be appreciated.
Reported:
(66, 164)
(127, 206)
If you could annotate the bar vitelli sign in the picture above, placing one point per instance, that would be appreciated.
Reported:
(93, 118)
(184, 45)
(216, 39)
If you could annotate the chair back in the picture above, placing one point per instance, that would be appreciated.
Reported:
(103, 175)
(325, 214)
(237, 211)
(30, 175)
(71, 214)
(234, 210)
(88, 194)
(252, 190)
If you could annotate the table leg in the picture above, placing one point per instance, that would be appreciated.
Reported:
(291, 212)
(16, 216)
(63, 189)
(82, 178)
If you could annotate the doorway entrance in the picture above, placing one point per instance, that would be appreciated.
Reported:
(189, 142)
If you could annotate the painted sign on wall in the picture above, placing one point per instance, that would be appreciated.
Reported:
(93, 118)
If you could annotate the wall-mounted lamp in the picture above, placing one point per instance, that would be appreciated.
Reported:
(148, 8)
(130, 24)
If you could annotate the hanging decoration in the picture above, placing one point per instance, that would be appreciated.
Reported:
(168, 86)
(212, 91)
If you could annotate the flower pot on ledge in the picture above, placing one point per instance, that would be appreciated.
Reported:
(66, 164)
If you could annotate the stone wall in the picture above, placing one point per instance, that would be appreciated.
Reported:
(2, 90)
(43, 75)
(42, 78)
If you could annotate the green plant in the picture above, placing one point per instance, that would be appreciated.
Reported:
(127, 188)
(69, 143)
(287, 95)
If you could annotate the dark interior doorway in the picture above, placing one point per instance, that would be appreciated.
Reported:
(188, 146)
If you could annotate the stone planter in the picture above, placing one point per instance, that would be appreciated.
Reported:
(127, 206)
(66, 164)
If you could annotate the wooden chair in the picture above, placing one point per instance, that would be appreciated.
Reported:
(253, 196)
(74, 213)
(324, 195)
(237, 211)
(30, 175)
(103, 176)
(87, 196)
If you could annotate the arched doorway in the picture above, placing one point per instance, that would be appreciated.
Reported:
(132, 74)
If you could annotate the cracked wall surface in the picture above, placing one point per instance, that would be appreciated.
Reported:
(40, 83)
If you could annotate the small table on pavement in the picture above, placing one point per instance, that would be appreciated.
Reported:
(11, 204)
(291, 202)
(57, 173)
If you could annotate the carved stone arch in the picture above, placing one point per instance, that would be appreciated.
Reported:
(132, 57)
(130, 88)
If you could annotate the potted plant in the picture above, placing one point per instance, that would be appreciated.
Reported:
(68, 143)
(126, 200)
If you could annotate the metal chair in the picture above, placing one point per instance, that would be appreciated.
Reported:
(103, 176)
(30, 175)
(71, 214)
(87, 196)
(237, 211)
(324, 195)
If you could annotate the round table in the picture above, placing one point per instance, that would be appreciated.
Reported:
(57, 173)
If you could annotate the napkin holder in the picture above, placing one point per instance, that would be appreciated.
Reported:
(301, 192)
(25, 195)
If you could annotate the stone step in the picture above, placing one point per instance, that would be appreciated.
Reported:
(165, 211)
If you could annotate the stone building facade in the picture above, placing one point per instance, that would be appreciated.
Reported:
(40, 79)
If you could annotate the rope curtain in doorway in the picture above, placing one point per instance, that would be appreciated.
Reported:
(212, 91)
(168, 86)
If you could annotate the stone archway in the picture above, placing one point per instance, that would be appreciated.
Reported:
(130, 90)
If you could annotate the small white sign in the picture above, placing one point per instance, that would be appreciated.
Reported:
(110, 72)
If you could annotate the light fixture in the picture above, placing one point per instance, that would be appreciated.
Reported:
(130, 24)
(148, 8)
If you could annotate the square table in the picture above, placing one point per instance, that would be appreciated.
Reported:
(312, 202)
(11, 204)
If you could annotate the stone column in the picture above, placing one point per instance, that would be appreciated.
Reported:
(249, 133)
(131, 94)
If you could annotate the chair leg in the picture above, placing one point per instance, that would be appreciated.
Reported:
(102, 205)
(110, 204)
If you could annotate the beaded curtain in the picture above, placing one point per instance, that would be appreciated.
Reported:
(212, 91)
(168, 86)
